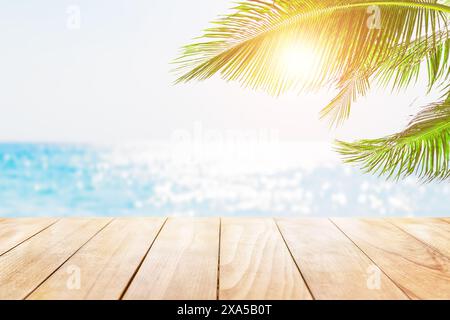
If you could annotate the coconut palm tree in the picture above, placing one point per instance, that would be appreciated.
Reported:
(355, 43)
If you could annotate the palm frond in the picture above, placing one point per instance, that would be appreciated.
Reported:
(423, 148)
(338, 110)
(400, 69)
(403, 66)
(246, 45)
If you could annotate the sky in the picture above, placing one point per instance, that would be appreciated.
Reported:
(108, 79)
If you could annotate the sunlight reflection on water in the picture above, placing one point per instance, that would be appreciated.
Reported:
(289, 179)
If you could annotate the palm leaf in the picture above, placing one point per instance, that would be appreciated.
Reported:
(423, 148)
(247, 44)
(399, 70)
(404, 64)
(350, 88)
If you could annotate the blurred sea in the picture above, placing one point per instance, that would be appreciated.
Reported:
(292, 179)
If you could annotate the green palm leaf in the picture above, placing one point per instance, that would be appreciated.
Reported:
(350, 88)
(247, 45)
(423, 148)
(403, 66)
(399, 70)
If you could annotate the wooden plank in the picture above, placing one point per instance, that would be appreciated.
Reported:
(434, 232)
(422, 272)
(182, 263)
(255, 262)
(15, 231)
(28, 265)
(105, 265)
(333, 267)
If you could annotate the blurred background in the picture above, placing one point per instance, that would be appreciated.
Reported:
(91, 124)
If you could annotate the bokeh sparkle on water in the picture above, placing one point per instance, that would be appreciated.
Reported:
(150, 179)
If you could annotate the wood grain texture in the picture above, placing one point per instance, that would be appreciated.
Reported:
(433, 232)
(333, 267)
(182, 263)
(15, 231)
(105, 265)
(421, 272)
(255, 262)
(29, 264)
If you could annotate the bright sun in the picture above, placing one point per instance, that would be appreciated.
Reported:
(299, 61)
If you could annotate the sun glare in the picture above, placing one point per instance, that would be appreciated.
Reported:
(299, 62)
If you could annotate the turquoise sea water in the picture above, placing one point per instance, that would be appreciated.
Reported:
(75, 180)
